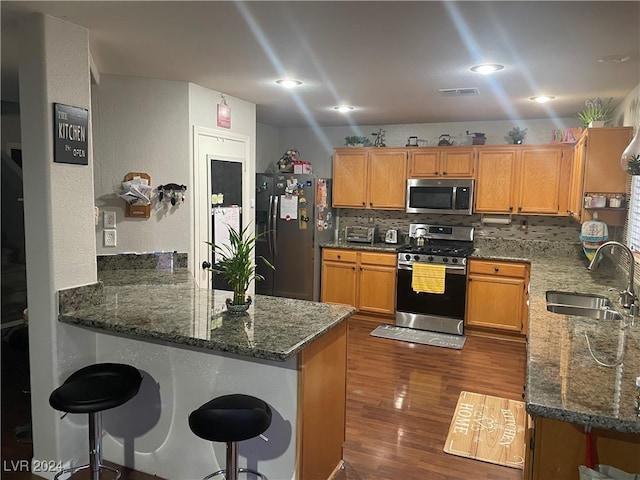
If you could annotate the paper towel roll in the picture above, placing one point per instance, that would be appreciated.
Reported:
(496, 220)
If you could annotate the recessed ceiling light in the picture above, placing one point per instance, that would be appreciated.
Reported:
(343, 108)
(614, 59)
(542, 98)
(487, 68)
(288, 82)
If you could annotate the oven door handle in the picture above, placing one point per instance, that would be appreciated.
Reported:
(456, 270)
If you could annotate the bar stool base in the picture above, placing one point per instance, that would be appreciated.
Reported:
(240, 470)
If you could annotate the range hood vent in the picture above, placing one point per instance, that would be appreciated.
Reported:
(459, 92)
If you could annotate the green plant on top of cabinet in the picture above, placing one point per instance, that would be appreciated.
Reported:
(453, 162)
(370, 178)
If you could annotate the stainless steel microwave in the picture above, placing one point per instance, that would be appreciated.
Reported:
(444, 196)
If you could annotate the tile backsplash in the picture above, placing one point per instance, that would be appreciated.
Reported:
(530, 227)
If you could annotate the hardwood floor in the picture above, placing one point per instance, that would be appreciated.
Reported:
(400, 398)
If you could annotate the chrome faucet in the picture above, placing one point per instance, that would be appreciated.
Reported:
(628, 296)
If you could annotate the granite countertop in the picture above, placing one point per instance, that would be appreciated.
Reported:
(564, 381)
(372, 247)
(167, 306)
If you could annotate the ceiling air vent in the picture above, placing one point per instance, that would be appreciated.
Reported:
(458, 92)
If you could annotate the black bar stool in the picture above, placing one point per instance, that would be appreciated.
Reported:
(91, 390)
(231, 419)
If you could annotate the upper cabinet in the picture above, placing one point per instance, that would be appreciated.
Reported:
(370, 178)
(452, 162)
(524, 180)
(596, 169)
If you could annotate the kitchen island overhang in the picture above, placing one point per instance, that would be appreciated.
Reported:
(191, 351)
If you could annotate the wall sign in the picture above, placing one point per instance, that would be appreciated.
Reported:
(70, 129)
(224, 116)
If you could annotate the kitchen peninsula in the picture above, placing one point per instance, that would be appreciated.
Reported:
(290, 353)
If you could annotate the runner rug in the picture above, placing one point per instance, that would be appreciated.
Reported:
(490, 429)
(419, 336)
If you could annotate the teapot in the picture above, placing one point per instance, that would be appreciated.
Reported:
(445, 140)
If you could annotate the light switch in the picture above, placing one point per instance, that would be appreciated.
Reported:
(109, 219)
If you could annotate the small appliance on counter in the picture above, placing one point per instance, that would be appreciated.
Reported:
(391, 236)
(358, 234)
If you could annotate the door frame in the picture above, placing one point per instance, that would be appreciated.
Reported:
(215, 144)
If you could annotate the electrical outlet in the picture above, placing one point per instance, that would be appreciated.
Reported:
(109, 219)
(110, 238)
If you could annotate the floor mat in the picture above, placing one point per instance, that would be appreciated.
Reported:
(490, 429)
(419, 336)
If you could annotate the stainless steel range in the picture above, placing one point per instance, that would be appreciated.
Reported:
(440, 245)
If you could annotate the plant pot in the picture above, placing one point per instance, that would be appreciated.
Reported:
(596, 123)
(238, 309)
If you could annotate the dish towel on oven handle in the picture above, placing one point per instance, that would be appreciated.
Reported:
(428, 278)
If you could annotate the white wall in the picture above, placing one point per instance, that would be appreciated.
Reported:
(268, 149)
(58, 208)
(141, 125)
(628, 112)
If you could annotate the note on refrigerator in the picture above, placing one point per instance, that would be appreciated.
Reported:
(222, 219)
(289, 207)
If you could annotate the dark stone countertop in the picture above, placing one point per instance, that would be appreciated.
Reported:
(167, 306)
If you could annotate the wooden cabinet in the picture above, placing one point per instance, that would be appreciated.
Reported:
(452, 162)
(558, 448)
(596, 169)
(495, 190)
(366, 280)
(523, 180)
(497, 294)
(369, 178)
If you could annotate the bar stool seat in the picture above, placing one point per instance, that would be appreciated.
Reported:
(91, 390)
(231, 419)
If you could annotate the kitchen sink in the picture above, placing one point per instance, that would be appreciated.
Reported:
(581, 305)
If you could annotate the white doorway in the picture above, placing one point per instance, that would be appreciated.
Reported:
(215, 144)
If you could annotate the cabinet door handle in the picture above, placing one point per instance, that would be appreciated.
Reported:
(364, 204)
(436, 172)
(444, 173)
(206, 265)
(339, 257)
(353, 268)
(520, 208)
(496, 269)
(511, 208)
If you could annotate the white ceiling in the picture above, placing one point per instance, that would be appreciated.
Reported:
(387, 59)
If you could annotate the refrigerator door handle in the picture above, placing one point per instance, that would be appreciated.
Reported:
(269, 225)
(274, 224)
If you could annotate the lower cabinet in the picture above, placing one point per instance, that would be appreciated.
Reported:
(366, 280)
(557, 449)
(497, 295)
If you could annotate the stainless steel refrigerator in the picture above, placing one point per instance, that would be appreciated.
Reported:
(293, 217)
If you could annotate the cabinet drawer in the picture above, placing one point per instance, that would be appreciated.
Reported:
(378, 258)
(339, 255)
(498, 268)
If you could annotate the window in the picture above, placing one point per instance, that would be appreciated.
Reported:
(633, 226)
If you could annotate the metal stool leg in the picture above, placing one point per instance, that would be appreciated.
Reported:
(95, 452)
(231, 470)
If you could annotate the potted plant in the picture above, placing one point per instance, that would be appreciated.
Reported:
(633, 165)
(236, 266)
(517, 135)
(596, 113)
(357, 141)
